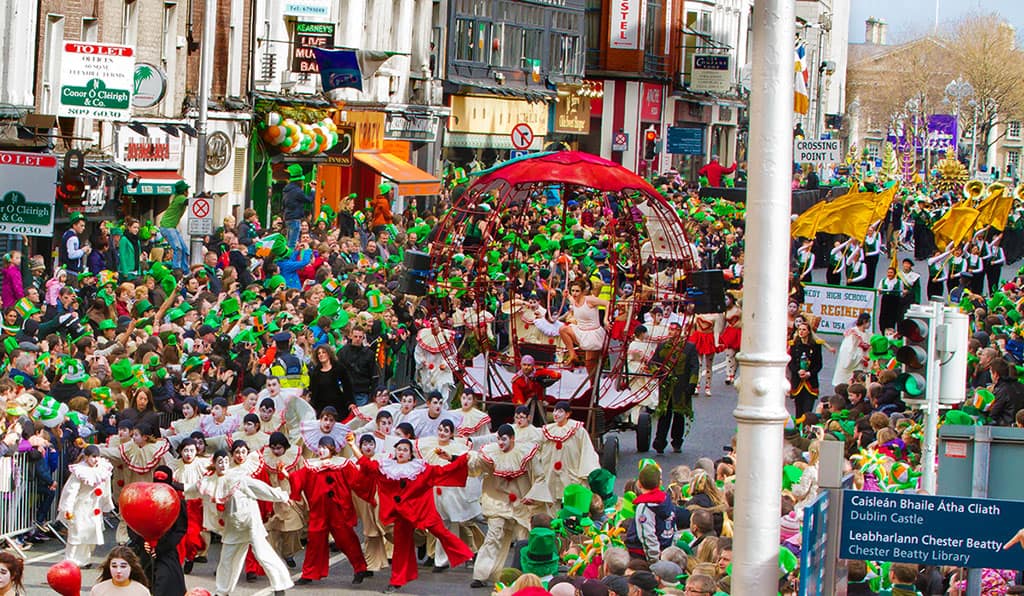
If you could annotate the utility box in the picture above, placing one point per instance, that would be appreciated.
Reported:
(981, 459)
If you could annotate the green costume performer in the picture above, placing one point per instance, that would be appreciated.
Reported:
(675, 407)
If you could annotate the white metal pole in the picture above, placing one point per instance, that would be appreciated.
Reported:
(929, 480)
(761, 412)
(205, 82)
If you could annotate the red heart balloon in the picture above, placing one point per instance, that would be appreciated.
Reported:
(65, 578)
(149, 508)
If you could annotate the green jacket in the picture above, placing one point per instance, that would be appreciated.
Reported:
(130, 256)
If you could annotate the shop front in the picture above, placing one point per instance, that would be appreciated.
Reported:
(569, 118)
(480, 129)
(154, 157)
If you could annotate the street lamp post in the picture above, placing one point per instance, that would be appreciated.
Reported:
(761, 412)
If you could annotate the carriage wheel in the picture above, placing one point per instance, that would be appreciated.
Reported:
(610, 453)
(643, 432)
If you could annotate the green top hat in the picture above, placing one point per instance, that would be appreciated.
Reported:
(229, 308)
(245, 337)
(340, 320)
(881, 348)
(25, 308)
(180, 187)
(274, 282)
(540, 555)
(142, 306)
(74, 372)
(376, 301)
(107, 324)
(250, 296)
(295, 172)
(384, 188)
(959, 418)
(602, 482)
(174, 314)
(121, 371)
(77, 217)
(575, 501)
(328, 307)
(191, 362)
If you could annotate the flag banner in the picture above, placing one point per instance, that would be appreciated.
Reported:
(995, 209)
(339, 68)
(955, 225)
(801, 94)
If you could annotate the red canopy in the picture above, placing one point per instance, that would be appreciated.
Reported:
(570, 167)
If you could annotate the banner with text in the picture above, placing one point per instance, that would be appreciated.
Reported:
(931, 530)
(818, 152)
(625, 25)
(28, 184)
(97, 81)
(837, 306)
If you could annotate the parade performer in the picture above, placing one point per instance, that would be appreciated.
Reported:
(405, 488)
(326, 482)
(703, 338)
(804, 366)
(675, 405)
(872, 251)
(529, 386)
(525, 431)
(425, 421)
(189, 470)
(475, 422)
(230, 509)
(365, 414)
(937, 272)
(890, 309)
(853, 351)
(326, 426)
(731, 336)
(805, 261)
(513, 490)
(567, 454)
(162, 561)
(457, 506)
(586, 333)
(377, 543)
(83, 501)
(434, 347)
(286, 526)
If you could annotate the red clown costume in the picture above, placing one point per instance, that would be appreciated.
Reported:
(327, 484)
(406, 496)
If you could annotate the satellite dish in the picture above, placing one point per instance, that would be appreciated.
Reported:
(746, 72)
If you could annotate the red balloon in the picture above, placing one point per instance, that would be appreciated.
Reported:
(727, 274)
(149, 508)
(65, 578)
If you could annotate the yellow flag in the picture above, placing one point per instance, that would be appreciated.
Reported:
(806, 226)
(994, 209)
(955, 225)
(850, 214)
(883, 201)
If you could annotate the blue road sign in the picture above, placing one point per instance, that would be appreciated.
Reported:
(514, 153)
(930, 530)
(812, 554)
(688, 141)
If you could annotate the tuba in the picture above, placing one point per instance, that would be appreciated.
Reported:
(974, 189)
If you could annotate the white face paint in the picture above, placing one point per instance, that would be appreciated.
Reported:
(403, 453)
(443, 434)
(560, 415)
(120, 571)
(506, 443)
(222, 464)
(239, 455)
(92, 460)
(188, 454)
(324, 452)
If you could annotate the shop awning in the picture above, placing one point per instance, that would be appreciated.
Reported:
(152, 182)
(411, 180)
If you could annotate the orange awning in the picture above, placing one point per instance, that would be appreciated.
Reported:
(411, 180)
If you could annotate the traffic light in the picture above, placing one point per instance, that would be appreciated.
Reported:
(650, 144)
(915, 354)
(71, 190)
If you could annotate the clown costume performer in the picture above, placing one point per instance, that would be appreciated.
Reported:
(83, 501)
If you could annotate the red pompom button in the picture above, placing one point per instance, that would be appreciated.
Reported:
(220, 507)
(438, 491)
(558, 446)
(96, 512)
(98, 492)
(551, 342)
(430, 366)
(558, 466)
(120, 482)
(220, 521)
(511, 498)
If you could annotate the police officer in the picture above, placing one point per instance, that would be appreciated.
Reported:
(286, 366)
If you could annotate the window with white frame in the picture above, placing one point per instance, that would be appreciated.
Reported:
(54, 40)
(1013, 130)
(1012, 162)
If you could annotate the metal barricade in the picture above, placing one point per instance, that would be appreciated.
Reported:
(19, 498)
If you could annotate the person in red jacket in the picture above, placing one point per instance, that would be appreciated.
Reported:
(327, 483)
(529, 385)
(405, 491)
(714, 171)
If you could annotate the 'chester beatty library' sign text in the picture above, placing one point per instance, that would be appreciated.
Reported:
(931, 530)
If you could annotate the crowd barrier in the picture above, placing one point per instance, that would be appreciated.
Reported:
(19, 496)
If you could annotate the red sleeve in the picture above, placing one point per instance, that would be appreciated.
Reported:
(297, 480)
(518, 391)
(359, 483)
(454, 473)
(730, 169)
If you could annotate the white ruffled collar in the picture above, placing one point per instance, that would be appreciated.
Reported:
(393, 470)
(92, 475)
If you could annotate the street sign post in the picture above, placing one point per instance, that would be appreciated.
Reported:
(819, 153)
(931, 530)
(522, 136)
(200, 216)
(620, 141)
(686, 141)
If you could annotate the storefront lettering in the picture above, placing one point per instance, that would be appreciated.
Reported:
(147, 151)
